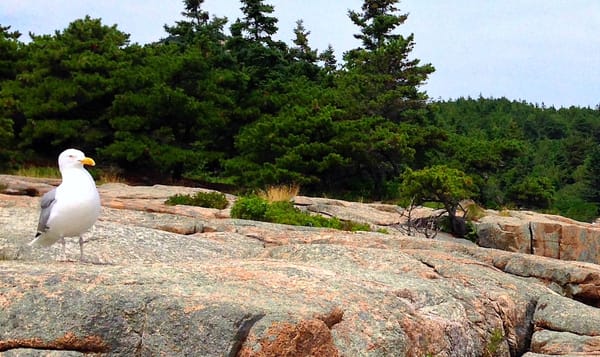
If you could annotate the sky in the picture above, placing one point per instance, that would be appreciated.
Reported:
(539, 51)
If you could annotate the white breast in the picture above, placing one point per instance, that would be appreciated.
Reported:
(77, 204)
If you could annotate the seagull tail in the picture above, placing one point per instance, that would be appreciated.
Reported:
(43, 240)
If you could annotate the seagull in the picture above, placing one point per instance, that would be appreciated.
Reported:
(72, 208)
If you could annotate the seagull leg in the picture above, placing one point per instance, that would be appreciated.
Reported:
(64, 248)
(81, 248)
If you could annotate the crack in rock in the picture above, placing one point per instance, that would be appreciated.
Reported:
(244, 326)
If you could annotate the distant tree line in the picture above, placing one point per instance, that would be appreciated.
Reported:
(227, 104)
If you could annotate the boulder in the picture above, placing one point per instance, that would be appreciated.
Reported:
(565, 327)
(560, 343)
(540, 234)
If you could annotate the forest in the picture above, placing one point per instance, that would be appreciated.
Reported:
(223, 104)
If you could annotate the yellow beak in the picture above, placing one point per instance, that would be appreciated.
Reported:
(88, 161)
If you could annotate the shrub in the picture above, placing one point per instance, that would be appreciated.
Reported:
(251, 207)
(202, 199)
(471, 232)
(355, 226)
(284, 212)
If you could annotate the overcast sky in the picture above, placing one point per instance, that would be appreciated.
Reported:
(540, 51)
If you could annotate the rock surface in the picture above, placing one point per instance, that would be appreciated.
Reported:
(540, 234)
(189, 281)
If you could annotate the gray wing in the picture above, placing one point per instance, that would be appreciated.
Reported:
(48, 200)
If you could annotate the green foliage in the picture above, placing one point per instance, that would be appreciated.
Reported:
(471, 232)
(64, 87)
(202, 199)
(494, 344)
(438, 183)
(284, 212)
(441, 184)
(251, 207)
(10, 56)
(9, 52)
(570, 202)
(377, 22)
(533, 192)
(591, 175)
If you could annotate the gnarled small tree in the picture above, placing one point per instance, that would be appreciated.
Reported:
(441, 184)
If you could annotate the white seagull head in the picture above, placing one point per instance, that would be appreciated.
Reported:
(73, 158)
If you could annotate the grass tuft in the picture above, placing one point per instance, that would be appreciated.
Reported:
(474, 212)
(504, 213)
(110, 175)
(494, 345)
(279, 193)
(38, 172)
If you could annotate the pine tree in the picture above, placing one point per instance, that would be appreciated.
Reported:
(377, 21)
(10, 57)
(257, 24)
(66, 85)
(328, 59)
(9, 52)
(592, 176)
(390, 79)
(197, 27)
(302, 52)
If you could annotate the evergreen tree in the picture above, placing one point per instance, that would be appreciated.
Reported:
(257, 24)
(197, 28)
(591, 177)
(302, 51)
(66, 85)
(262, 63)
(303, 57)
(172, 120)
(387, 79)
(328, 59)
(379, 86)
(440, 184)
(11, 53)
(377, 22)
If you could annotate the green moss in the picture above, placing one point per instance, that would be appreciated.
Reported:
(202, 199)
